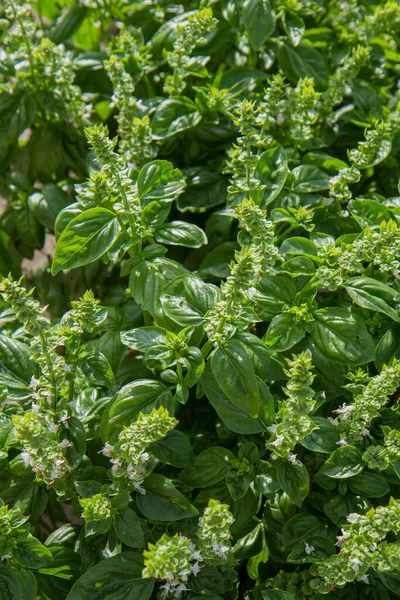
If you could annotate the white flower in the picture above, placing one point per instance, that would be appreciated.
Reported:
(169, 576)
(28, 460)
(293, 459)
(373, 547)
(67, 368)
(333, 421)
(35, 408)
(184, 574)
(139, 488)
(272, 428)
(34, 383)
(356, 564)
(65, 443)
(342, 538)
(364, 578)
(116, 464)
(144, 456)
(344, 411)
(107, 449)
(195, 568)
(52, 427)
(197, 555)
(365, 432)
(353, 517)
(309, 549)
(342, 443)
(180, 590)
(278, 441)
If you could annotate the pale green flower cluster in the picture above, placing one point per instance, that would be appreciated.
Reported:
(188, 36)
(96, 508)
(256, 257)
(87, 313)
(130, 454)
(42, 450)
(173, 560)
(135, 135)
(343, 76)
(112, 185)
(361, 548)
(304, 100)
(354, 419)
(377, 250)
(214, 533)
(292, 420)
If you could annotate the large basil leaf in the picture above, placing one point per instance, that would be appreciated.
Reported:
(85, 239)
(342, 336)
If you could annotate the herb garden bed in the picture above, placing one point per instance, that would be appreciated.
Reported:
(199, 383)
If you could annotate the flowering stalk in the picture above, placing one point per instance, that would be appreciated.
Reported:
(292, 420)
(361, 548)
(213, 534)
(129, 455)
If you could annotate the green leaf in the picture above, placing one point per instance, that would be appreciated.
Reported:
(187, 299)
(31, 553)
(308, 178)
(128, 529)
(299, 528)
(173, 116)
(312, 549)
(17, 584)
(303, 61)
(205, 189)
(85, 239)
(234, 372)
(208, 468)
(276, 595)
(342, 336)
(233, 417)
(344, 463)
(174, 449)
(180, 233)
(272, 170)
(259, 21)
(369, 213)
(374, 295)
(339, 507)
(323, 439)
(144, 338)
(163, 502)
(159, 181)
(370, 485)
(283, 332)
(116, 578)
(294, 480)
(138, 396)
(148, 279)
(273, 292)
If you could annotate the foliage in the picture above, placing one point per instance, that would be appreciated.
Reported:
(199, 395)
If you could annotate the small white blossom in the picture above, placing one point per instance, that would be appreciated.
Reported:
(292, 458)
(272, 428)
(364, 578)
(309, 549)
(342, 443)
(52, 427)
(364, 432)
(65, 443)
(116, 463)
(28, 460)
(334, 422)
(278, 441)
(356, 564)
(107, 449)
(344, 411)
(144, 456)
(195, 568)
(34, 383)
(353, 517)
